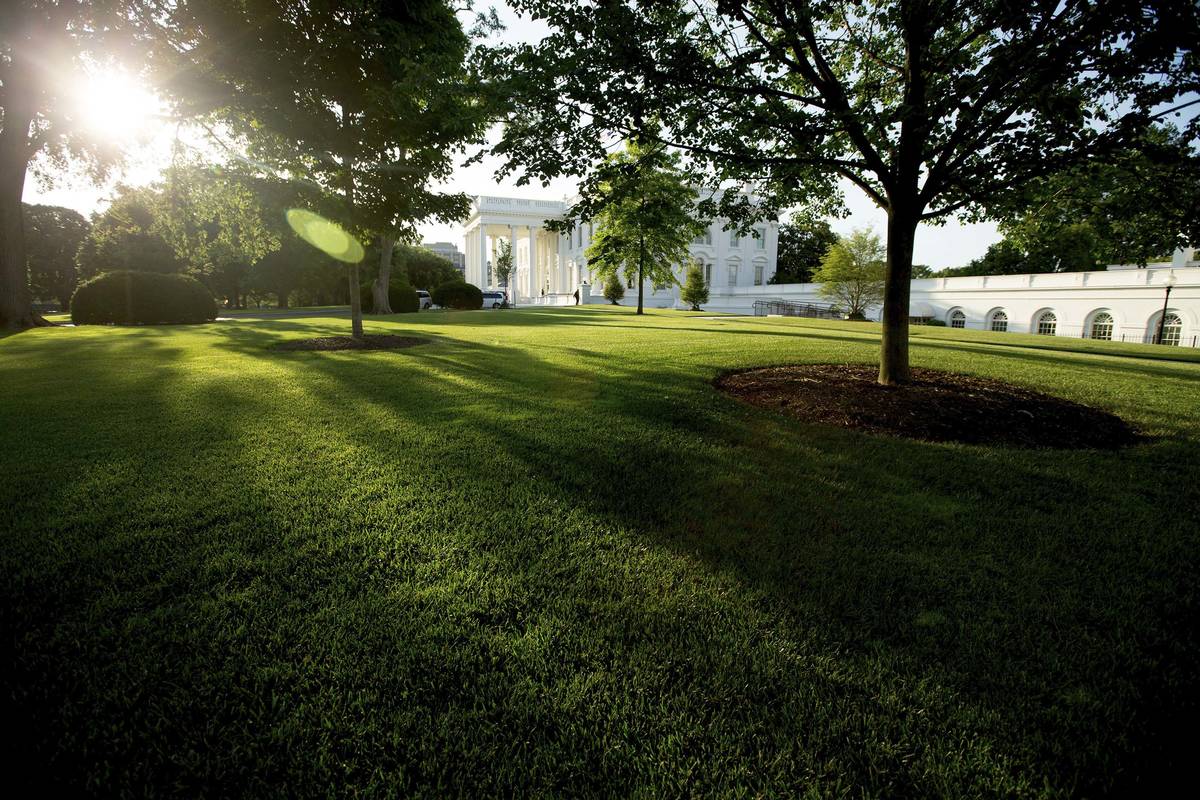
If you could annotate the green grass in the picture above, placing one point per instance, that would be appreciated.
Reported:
(540, 556)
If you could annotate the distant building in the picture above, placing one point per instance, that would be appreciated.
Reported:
(448, 251)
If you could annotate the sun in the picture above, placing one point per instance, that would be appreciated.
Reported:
(115, 106)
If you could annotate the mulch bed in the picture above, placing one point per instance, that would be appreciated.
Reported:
(350, 343)
(936, 406)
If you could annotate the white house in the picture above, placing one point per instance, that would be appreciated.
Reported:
(550, 267)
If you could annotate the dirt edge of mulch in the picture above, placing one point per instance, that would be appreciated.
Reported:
(330, 343)
(936, 406)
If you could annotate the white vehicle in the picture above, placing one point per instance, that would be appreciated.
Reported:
(494, 300)
(424, 301)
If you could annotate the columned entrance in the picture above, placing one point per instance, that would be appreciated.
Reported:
(540, 268)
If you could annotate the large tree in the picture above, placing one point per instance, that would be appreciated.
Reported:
(802, 245)
(930, 107)
(643, 216)
(128, 235)
(367, 101)
(45, 48)
(852, 273)
(53, 235)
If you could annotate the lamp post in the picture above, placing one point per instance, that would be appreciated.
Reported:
(1162, 318)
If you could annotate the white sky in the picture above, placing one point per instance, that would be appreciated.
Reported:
(951, 245)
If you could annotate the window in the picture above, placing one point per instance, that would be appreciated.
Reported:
(733, 270)
(758, 274)
(1172, 331)
(999, 321)
(1047, 324)
(760, 238)
(579, 235)
(958, 319)
(629, 284)
(1102, 326)
(708, 274)
(704, 238)
(734, 239)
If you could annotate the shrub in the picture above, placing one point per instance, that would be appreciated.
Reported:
(614, 290)
(456, 294)
(695, 291)
(401, 297)
(936, 323)
(142, 298)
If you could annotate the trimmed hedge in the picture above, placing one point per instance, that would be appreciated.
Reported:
(126, 297)
(401, 297)
(456, 294)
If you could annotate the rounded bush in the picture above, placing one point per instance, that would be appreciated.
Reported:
(126, 297)
(456, 294)
(401, 297)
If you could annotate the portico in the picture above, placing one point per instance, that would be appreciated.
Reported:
(537, 253)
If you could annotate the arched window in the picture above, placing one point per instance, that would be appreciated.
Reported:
(1047, 324)
(1172, 330)
(958, 319)
(998, 321)
(1102, 326)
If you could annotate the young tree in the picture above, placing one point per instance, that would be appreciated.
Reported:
(853, 273)
(695, 291)
(53, 235)
(614, 289)
(802, 245)
(930, 107)
(368, 101)
(643, 222)
(505, 266)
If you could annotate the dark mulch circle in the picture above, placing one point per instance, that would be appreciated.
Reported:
(378, 342)
(936, 406)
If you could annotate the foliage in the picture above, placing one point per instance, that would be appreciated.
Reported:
(643, 218)
(1072, 248)
(402, 298)
(128, 236)
(47, 50)
(930, 107)
(53, 236)
(614, 288)
(920, 271)
(1131, 207)
(425, 269)
(504, 547)
(695, 290)
(370, 102)
(504, 267)
(142, 298)
(852, 273)
(457, 294)
(802, 245)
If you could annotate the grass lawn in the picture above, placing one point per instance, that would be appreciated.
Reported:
(542, 556)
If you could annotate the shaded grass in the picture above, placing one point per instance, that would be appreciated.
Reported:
(541, 556)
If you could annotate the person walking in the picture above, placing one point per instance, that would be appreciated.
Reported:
(576, 296)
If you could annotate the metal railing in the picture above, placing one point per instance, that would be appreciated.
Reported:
(788, 308)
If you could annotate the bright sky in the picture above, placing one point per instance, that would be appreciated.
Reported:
(123, 110)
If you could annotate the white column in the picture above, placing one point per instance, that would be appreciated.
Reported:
(512, 248)
(482, 255)
(533, 286)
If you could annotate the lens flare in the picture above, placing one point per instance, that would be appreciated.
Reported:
(325, 235)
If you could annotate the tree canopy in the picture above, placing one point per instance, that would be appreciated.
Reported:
(852, 273)
(53, 236)
(930, 107)
(802, 245)
(644, 218)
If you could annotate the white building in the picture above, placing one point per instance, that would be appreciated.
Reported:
(1122, 303)
(449, 252)
(550, 267)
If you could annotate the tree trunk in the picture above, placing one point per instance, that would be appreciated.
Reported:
(16, 305)
(356, 323)
(641, 268)
(383, 305)
(282, 298)
(893, 358)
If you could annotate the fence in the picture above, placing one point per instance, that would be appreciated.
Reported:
(788, 308)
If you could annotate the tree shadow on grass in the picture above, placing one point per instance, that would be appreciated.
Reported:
(578, 578)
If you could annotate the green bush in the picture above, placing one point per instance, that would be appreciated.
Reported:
(695, 291)
(936, 323)
(614, 290)
(401, 297)
(456, 294)
(126, 297)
